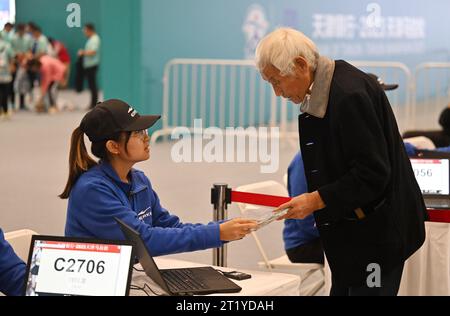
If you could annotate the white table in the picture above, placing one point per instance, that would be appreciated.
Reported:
(260, 284)
(427, 272)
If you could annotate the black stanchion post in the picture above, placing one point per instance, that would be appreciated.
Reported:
(220, 198)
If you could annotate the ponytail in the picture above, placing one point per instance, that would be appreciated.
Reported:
(79, 161)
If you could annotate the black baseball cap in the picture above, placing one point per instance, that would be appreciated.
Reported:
(383, 85)
(113, 116)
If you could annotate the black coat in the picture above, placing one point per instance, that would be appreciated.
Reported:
(355, 158)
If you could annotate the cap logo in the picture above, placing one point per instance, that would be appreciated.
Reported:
(132, 112)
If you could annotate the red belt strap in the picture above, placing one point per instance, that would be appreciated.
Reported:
(258, 199)
(440, 216)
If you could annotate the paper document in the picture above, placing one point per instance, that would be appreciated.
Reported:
(271, 217)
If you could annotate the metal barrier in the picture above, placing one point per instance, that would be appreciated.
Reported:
(231, 93)
(430, 93)
(223, 93)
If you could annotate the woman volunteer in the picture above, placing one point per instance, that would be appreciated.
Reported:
(12, 269)
(99, 192)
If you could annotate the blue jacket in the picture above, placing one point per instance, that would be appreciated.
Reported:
(99, 195)
(12, 269)
(411, 150)
(298, 232)
(443, 149)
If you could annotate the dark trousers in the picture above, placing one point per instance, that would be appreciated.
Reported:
(22, 101)
(4, 93)
(12, 94)
(91, 75)
(390, 283)
(50, 94)
(32, 77)
(311, 252)
(439, 138)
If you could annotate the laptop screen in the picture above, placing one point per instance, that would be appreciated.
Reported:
(432, 175)
(67, 266)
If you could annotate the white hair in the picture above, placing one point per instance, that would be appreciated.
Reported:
(281, 47)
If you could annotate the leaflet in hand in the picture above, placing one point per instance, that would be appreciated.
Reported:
(272, 217)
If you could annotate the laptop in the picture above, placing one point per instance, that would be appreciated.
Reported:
(61, 266)
(185, 281)
(433, 176)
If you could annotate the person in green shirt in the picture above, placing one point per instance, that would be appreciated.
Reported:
(21, 42)
(40, 42)
(91, 60)
(6, 60)
(7, 35)
(8, 32)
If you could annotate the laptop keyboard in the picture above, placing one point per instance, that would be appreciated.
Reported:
(182, 280)
(437, 203)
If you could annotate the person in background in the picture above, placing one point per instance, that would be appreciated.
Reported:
(8, 32)
(99, 192)
(52, 72)
(39, 47)
(21, 44)
(6, 64)
(301, 236)
(62, 53)
(12, 269)
(40, 44)
(22, 84)
(91, 60)
(7, 35)
(440, 138)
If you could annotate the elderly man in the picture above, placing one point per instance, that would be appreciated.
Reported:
(362, 190)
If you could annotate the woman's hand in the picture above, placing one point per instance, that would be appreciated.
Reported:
(236, 229)
(302, 206)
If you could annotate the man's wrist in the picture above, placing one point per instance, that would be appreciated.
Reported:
(318, 202)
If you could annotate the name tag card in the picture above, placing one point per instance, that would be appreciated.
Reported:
(76, 268)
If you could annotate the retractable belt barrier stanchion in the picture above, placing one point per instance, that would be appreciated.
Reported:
(221, 196)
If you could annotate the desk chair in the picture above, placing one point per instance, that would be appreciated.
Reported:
(20, 241)
(283, 262)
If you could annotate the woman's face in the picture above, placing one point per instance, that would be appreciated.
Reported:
(138, 147)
